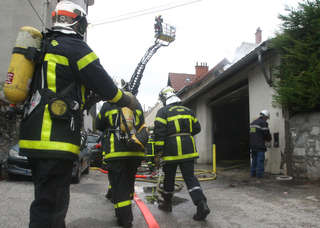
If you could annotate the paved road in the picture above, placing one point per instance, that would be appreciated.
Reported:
(235, 201)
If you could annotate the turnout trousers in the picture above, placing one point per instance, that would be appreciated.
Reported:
(51, 178)
(122, 178)
(187, 170)
(257, 163)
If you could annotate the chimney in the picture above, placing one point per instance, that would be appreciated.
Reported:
(258, 36)
(201, 70)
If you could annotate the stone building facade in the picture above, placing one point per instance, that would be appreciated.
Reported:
(305, 145)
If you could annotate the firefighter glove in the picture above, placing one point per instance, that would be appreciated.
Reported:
(133, 101)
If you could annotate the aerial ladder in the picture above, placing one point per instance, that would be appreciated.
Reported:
(164, 35)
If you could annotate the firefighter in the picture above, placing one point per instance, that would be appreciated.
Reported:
(158, 25)
(259, 134)
(50, 129)
(174, 128)
(122, 158)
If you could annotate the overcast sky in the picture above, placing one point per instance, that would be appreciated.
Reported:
(206, 31)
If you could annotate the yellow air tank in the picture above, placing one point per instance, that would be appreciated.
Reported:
(128, 115)
(21, 69)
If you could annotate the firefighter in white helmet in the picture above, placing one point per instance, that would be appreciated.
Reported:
(69, 71)
(174, 129)
(259, 134)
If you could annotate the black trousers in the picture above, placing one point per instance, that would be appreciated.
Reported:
(122, 177)
(52, 178)
(187, 170)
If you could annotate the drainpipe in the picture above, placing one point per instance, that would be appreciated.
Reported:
(46, 14)
(267, 77)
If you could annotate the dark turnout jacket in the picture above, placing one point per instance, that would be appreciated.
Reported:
(67, 60)
(174, 128)
(259, 134)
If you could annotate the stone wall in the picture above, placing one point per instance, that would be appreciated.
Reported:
(305, 145)
(9, 125)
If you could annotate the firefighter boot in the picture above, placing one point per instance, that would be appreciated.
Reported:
(165, 205)
(127, 224)
(202, 211)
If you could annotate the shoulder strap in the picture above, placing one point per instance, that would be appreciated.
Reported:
(36, 80)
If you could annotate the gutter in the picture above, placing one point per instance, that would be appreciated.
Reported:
(227, 74)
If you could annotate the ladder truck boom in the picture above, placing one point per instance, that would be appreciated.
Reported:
(165, 34)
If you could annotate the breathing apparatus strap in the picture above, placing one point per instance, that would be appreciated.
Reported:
(36, 79)
(30, 53)
(125, 123)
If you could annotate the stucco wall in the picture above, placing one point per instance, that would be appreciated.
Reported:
(151, 115)
(204, 138)
(260, 97)
(305, 139)
(13, 15)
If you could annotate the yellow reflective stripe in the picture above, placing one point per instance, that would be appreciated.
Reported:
(60, 59)
(179, 146)
(161, 120)
(190, 122)
(86, 60)
(159, 143)
(46, 125)
(117, 97)
(137, 117)
(193, 144)
(184, 156)
(124, 154)
(139, 112)
(177, 125)
(111, 143)
(83, 97)
(136, 121)
(49, 145)
(53, 60)
(172, 118)
(110, 113)
(122, 204)
(51, 76)
(99, 115)
(109, 186)
(195, 120)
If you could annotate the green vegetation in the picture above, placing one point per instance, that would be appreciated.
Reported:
(297, 82)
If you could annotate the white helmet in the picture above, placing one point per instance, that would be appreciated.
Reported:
(69, 18)
(265, 113)
(167, 96)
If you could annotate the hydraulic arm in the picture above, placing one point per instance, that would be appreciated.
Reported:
(165, 34)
